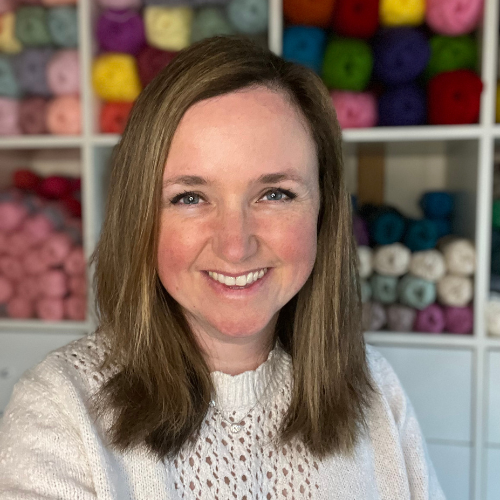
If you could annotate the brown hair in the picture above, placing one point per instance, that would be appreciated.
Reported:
(162, 390)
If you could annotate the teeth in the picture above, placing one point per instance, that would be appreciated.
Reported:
(242, 280)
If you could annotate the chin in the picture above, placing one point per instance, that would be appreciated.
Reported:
(240, 328)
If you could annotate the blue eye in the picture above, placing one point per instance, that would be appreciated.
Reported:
(279, 195)
(186, 198)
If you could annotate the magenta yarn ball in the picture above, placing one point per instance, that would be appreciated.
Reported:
(458, 319)
(78, 285)
(430, 320)
(34, 264)
(6, 289)
(50, 309)
(355, 109)
(121, 31)
(63, 73)
(28, 287)
(120, 4)
(75, 308)
(12, 215)
(12, 268)
(20, 308)
(54, 284)
(9, 116)
(54, 187)
(454, 17)
(74, 263)
(56, 249)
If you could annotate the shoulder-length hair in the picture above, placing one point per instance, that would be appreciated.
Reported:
(162, 390)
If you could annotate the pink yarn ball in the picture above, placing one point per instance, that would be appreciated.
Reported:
(56, 249)
(64, 116)
(12, 215)
(9, 116)
(34, 264)
(6, 289)
(63, 73)
(20, 308)
(18, 244)
(75, 262)
(3, 243)
(78, 285)
(454, 17)
(5, 6)
(53, 284)
(75, 308)
(50, 309)
(38, 228)
(12, 268)
(28, 287)
(355, 109)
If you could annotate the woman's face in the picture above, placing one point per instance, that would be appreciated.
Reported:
(240, 199)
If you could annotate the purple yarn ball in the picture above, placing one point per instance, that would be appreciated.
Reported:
(121, 31)
(458, 319)
(404, 105)
(360, 230)
(430, 320)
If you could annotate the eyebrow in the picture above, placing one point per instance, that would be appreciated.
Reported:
(196, 180)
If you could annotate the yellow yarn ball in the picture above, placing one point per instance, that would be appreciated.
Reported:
(115, 77)
(168, 28)
(8, 41)
(402, 12)
(498, 103)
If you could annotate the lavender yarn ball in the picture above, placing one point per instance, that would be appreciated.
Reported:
(248, 16)
(63, 26)
(430, 320)
(8, 83)
(458, 319)
(31, 69)
(402, 106)
(400, 318)
(63, 73)
(374, 316)
(121, 31)
(32, 114)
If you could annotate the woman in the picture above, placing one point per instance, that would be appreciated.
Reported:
(229, 360)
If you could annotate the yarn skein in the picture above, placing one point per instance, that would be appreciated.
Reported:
(399, 13)
(31, 26)
(436, 204)
(374, 317)
(248, 16)
(400, 318)
(458, 319)
(404, 105)
(430, 320)
(416, 292)
(456, 291)
(360, 230)
(8, 41)
(392, 260)
(63, 26)
(305, 45)
(365, 261)
(428, 265)
(459, 256)
(120, 31)
(168, 28)
(355, 109)
(64, 115)
(151, 61)
(453, 17)
(8, 82)
(63, 73)
(32, 115)
(356, 18)
(31, 70)
(208, 22)
(309, 13)
(384, 288)
(421, 235)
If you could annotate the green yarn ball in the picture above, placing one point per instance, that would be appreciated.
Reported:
(31, 26)
(208, 22)
(449, 53)
(347, 64)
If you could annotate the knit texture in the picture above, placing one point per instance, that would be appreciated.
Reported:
(51, 448)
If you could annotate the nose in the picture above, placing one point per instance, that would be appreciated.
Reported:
(234, 238)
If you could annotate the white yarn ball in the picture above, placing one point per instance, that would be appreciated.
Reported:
(460, 257)
(428, 265)
(365, 261)
(392, 260)
(455, 291)
(493, 317)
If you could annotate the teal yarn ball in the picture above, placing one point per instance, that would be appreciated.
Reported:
(250, 17)
(8, 82)
(416, 292)
(347, 65)
(31, 26)
(384, 288)
(63, 26)
(366, 291)
(421, 235)
(208, 22)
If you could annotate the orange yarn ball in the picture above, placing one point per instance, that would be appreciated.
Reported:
(309, 12)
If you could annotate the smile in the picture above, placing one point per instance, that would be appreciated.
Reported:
(242, 280)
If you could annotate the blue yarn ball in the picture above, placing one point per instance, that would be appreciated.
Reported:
(400, 55)
(387, 227)
(8, 82)
(404, 105)
(443, 227)
(384, 288)
(248, 16)
(436, 204)
(416, 292)
(305, 45)
(421, 235)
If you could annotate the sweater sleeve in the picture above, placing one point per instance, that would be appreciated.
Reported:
(41, 451)
(422, 478)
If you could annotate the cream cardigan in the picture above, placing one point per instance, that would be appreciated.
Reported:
(50, 447)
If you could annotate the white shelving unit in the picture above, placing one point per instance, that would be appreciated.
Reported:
(453, 380)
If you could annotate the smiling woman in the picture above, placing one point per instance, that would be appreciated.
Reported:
(229, 361)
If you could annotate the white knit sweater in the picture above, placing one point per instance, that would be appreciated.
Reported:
(50, 448)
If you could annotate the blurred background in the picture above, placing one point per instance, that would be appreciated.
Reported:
(414, 85)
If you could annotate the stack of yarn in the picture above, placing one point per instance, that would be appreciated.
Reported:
(390, 62)
(415, 276)
(39, 68)
(136, 41)
(42, 263)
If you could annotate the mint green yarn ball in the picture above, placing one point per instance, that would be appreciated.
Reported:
(347, 64)
(208, 22)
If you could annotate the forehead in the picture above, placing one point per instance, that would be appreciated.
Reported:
(245, 133)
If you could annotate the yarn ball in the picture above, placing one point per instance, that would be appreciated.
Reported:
(72, 205)
(75, 308)
(493, 317)
(63, 73)
(366, 291)
(28, 288)
(387, 225)
(8, 41)
(454, 98)
(54, 187)
(250, 17)
(374, 316)
(428, 265)
(421, 235)
(78, 285)
(365, 261)
(53, 284)
(63, 26)
(11, 267)
(168, 28)
(50, 309)
(402, 13)
(402, 106)
(496, 214)
(347, 64)
(458, 319)
(360, 230)
(151, 61)
(416, 292)
(33, 116)
(356, 18)
(400, 55)
(436, 204)
(33, 264)
(305, 45)
(453, 17)
(64, 115)
(115, 78)
(53, 3)
(8, 83)
(309, 12)
(20, 308)
(6, 289)
(25, 179)
(456, 291)
(392, 260)
(443, 227)
(384, 288)
(31, 26)
(17, 244)
(355, 109)
(451, 53)
(120, 4)
(12, 215)
(208, 22)
(460, 257)
(31, 70)
(74, 263)
(120, 31)
(56, 249)
(114, 116)
(9, 116)
(400, 318)
(6, 6)
(430, 320)
(38, 228)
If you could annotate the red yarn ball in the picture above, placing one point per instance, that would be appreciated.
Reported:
(454, 98)
(114, 116)
(72, 205)
(356, 18)
(54, 187)
(26, 180)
